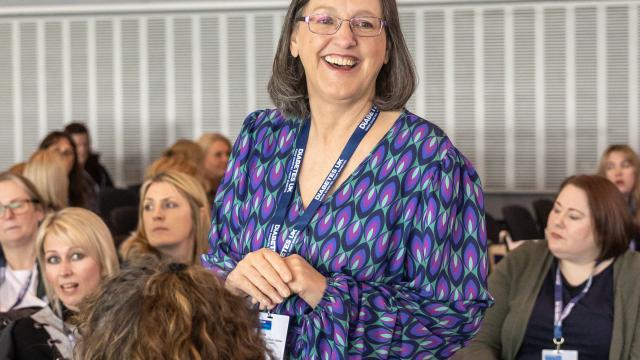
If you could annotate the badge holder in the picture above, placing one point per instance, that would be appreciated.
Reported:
(557, 354)
(274, 329)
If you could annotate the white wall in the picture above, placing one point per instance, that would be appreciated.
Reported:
(531, 91)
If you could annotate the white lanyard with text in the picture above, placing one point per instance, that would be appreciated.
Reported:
(292, 175)
(560, 312)
(23, 291)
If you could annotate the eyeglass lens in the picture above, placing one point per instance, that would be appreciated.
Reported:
(361, 26)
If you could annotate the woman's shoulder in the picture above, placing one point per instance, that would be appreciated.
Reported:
(266, 119)
(433, 142)
(529, 255)
(628, 264)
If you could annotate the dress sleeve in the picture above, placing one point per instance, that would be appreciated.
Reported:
(437, 306)
(225, 250)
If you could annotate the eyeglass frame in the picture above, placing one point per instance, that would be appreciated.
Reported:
(4, 208)
(306, 19)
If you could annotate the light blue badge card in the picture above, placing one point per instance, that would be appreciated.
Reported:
(559, 354)
(274, 329)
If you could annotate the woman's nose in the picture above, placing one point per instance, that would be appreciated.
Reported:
(345, 36)
(65, 269)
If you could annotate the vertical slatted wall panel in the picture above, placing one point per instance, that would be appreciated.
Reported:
(525, 98)
(7, 135)
(131, 99)
(617, 74)
(555, 90)
(494, 173)
(464, 76)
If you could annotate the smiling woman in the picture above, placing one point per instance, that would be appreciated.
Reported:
(76, 252)
(350, 218)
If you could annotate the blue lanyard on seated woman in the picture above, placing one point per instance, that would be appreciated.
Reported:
(23, 292)
(292, 175)
(560, 312)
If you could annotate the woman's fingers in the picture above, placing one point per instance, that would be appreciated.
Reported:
(271, 266)
(239, 284)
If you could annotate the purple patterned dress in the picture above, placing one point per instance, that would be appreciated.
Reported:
(402, 241)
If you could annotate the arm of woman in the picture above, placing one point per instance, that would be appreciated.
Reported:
(487, 344)
(436, 306)
(260, 274)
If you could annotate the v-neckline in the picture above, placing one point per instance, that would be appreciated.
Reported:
(385, 139)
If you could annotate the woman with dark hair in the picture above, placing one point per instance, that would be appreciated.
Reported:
(156, 310)
(81, 187)
(342, 211)
(576, 292)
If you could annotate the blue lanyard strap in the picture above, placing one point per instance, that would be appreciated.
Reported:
(560, 312)
(292, 178)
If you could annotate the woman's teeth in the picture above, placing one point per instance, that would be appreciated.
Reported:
(339, 60)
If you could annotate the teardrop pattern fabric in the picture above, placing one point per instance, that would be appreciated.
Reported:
(402, 242)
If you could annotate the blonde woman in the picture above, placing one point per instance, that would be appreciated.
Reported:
(621, 165)
(76, 252)
(217, 149)
(173, 221)
(46, 170)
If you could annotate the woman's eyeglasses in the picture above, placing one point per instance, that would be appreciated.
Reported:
(322, 24)
(16, 206)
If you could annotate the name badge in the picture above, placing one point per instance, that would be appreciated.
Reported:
(274, 329)
(551, 354)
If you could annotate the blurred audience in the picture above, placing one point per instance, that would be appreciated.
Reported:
(585, 261)
(217, 149)
(76, 252)
(87, 159)
(173, 221)
(184, 156)
(47, 172)
(168, 311)
(82, 188)
(21, 211)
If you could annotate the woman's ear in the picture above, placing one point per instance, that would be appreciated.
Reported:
(293, 43)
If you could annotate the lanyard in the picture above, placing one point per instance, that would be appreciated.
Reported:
(23, 291)
(560, 312)
(292, 176)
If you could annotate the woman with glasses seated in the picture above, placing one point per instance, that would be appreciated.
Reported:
(21, 211)
(576, 292)
(351, 219)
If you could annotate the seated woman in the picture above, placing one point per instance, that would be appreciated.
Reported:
(621, 165)
(21, 211)
(208, 321)
(173, 220)
(217, 149)
(83, 191)
(585, 262)
(76, 253)
(45, 169)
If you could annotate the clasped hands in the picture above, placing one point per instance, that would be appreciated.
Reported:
(268, 279)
